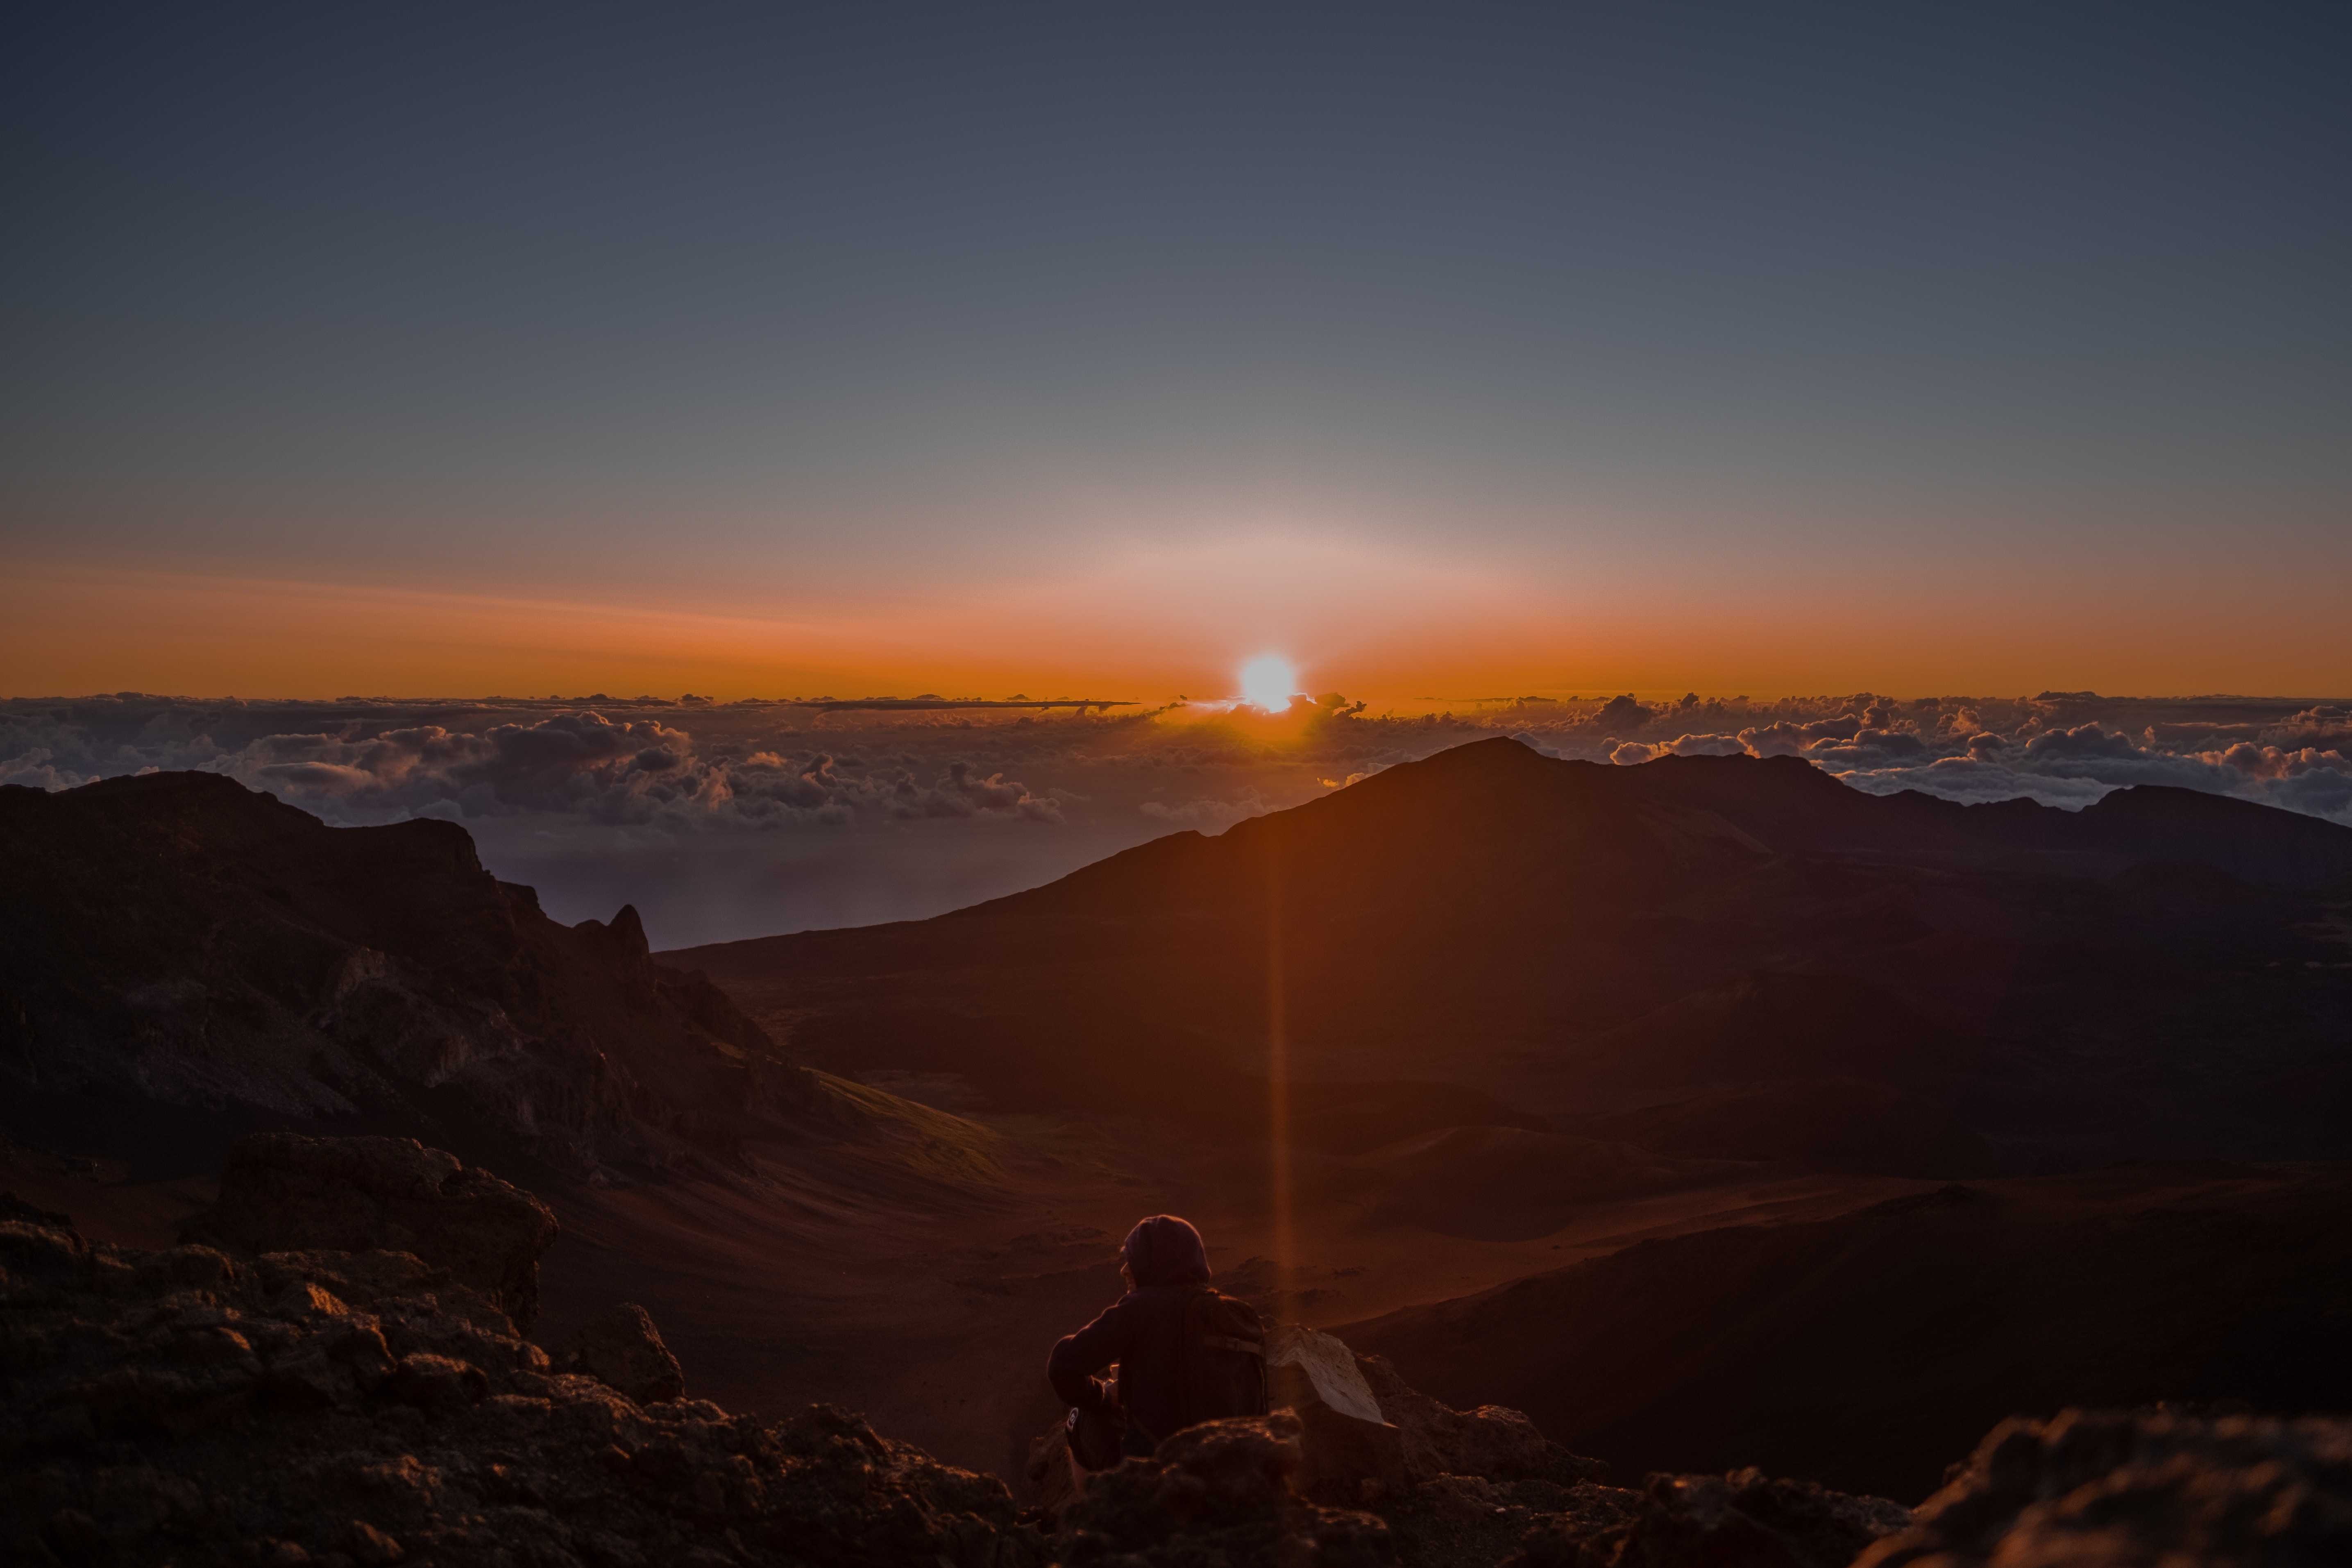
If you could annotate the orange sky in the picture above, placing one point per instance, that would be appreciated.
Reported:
(1368, 623)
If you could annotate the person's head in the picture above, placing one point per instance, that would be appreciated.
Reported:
(1163, 1250)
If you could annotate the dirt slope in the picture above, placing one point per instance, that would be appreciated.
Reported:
(1864, 1350)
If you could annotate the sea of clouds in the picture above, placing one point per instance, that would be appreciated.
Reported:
(738, 819)
(2064, 748)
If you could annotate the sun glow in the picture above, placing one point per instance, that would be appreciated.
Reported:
(1269, 681)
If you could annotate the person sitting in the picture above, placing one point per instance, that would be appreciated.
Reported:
(1185, 1351)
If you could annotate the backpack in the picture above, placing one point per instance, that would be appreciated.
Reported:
(1222, 1356)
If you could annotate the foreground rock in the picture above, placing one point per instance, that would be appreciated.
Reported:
(189, 1407)
(1221, 1493)
(620, 1349)
(2129, 1490)
(1357, 1466)
(1744, 1519)
(1228, 1493)
(1491, 1440)
(1365, 1437)
(366, 1407)
(281, 1192)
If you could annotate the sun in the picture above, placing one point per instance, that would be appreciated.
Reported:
(1269, 681)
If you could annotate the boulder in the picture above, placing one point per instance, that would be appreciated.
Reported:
(1220, 1492)
(1492, 1440)
(620, 1349)
(281, 1193)
(1051, 1475)
(1320, 1368)
(2138, 1488)
(1365, 1433)
(1350, 1454)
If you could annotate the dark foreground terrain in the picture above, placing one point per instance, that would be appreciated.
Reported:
(298, 1403)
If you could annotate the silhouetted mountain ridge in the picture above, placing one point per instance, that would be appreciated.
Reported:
(1527, 926)
(1498, 807)
(176, 940)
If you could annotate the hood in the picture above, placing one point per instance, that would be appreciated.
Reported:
(1165, 1250)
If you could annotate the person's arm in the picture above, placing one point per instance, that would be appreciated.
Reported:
(1077, 1359)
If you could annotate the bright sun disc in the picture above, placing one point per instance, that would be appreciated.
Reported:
(1269, 683)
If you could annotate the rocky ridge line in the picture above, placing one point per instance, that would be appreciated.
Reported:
(176, 939)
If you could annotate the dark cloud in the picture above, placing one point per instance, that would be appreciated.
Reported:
(1619, 714)
(962, 793)
(625, 770)
(2083, 740)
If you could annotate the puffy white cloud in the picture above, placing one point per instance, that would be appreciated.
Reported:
(2075, 765)
(1704, 746)
(1790, 738)
(962, 793)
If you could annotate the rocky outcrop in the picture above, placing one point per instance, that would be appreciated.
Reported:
(1744, 1519)
(1229, 1493)
(1491, 1440)
(620, 1348)
(2131, 1488)
(1220, 1492)
(1351, 1445)
(177, 938)
(1365, 1438)
(283, 1193)
(190, 1407)
(1365, 1434)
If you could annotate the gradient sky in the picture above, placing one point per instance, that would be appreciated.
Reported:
(1455, 348)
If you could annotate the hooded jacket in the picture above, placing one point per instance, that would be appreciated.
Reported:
(1165, 1260)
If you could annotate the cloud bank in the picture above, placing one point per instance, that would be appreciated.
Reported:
(725, 820)
(690, 765)
(621, 771)
(2063, 750)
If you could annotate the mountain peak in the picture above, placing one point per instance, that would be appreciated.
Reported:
(180, 937)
